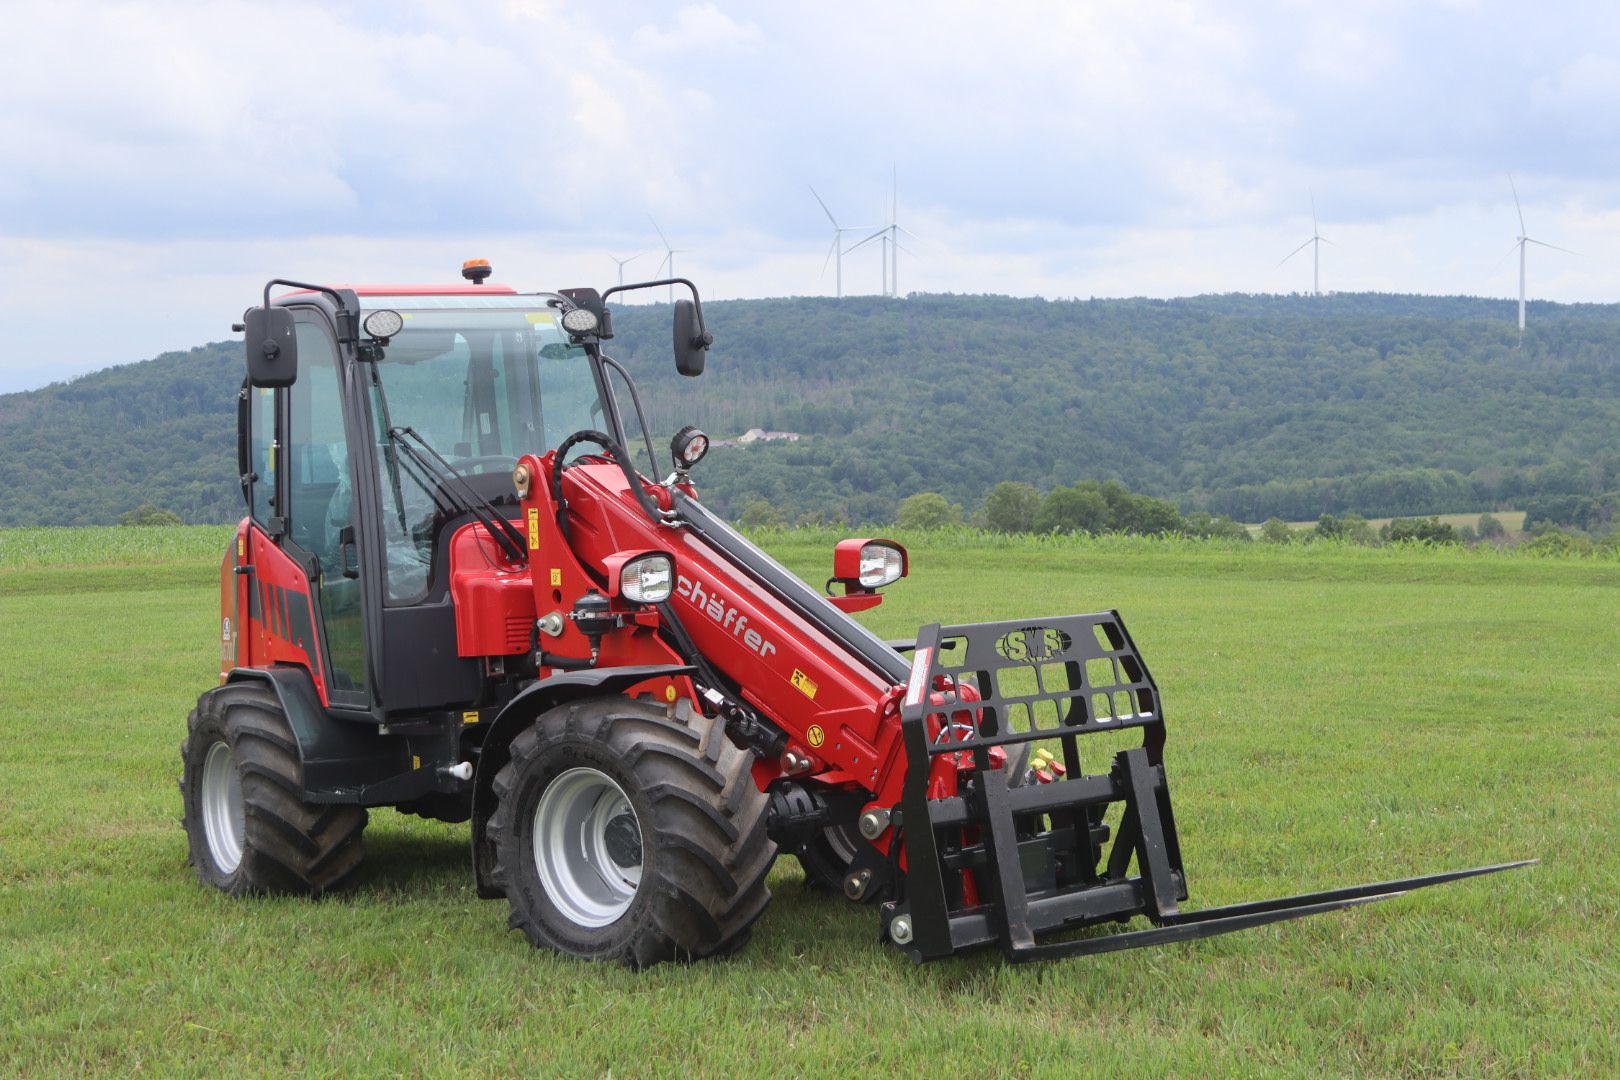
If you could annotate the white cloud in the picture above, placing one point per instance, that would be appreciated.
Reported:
(167, 155)
(697, 32)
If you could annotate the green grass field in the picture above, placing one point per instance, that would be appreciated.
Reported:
(1336, 715)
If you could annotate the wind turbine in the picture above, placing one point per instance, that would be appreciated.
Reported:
(621, 263)
(889, 235)
(1520, 243)
(669, 255)
(837, 249)
(1316, 241)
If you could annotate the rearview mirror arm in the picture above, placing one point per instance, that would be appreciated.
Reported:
(697, 302)
(347, 303)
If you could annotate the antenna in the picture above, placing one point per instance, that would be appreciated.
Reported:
(837, 249)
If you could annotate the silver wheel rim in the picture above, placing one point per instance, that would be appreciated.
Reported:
(588, 847)
(223, 813)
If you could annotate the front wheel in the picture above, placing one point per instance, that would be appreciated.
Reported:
(242, 789)
(620, 834)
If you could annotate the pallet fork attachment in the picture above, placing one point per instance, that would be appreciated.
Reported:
(1017, 854)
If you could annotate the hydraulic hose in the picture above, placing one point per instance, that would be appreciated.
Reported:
(613, 451)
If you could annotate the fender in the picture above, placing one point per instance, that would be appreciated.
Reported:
(340, 758)
(521, 712)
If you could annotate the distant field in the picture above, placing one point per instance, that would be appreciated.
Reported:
(1512, 521)
(169, 545)
(1335, 715)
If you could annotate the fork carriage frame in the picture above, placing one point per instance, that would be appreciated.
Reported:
(1040, 853)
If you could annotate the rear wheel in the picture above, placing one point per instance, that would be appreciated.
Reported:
(622, 835)
(242, 789)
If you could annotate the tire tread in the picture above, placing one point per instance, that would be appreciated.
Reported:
(708, 876)
(289, 846)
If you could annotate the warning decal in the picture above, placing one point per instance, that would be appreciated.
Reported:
(815, 736)
(805, 684)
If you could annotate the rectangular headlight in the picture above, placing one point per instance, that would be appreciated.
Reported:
(647, 580)
(881, 564)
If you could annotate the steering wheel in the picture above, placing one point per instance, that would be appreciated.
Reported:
(477, 463)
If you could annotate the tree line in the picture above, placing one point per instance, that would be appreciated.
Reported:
(1245, 407)
(1090, 506)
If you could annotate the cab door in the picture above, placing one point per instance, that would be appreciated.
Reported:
(318, 480)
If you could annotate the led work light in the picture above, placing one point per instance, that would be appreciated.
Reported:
(689, 445)
(580, 321)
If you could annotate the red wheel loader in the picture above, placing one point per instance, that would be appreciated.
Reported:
(455, 594)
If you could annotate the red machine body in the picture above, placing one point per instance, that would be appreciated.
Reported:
(602, 733)
(266, 611)
(831, 709)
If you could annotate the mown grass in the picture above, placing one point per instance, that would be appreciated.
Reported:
(1335, 716)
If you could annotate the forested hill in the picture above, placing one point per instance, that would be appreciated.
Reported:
(1245, 405)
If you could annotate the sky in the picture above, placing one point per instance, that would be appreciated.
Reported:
(159, 161)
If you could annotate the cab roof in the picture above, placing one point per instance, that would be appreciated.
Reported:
(457, 289)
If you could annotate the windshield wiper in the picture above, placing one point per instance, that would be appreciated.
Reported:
(461, 493)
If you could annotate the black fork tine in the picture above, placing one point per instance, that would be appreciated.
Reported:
(1378, 891)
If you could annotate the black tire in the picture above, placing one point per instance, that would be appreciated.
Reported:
(285, 845)
(703, 848)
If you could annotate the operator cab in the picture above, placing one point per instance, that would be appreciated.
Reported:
(378, 421)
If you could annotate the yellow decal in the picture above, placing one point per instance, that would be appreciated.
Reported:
(815, 736)
(670, 692)
(470, 717)
(416, 761)
(534, 528)
(556, 577)
(806, 685)
(541, 318)
(241, 547)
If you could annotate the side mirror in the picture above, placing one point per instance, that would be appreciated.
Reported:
(691, 340)
(272, 347)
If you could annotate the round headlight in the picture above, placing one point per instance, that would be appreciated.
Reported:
(880, 565)
(385, 323)
(580, 321)
(689, 446)
(647, 580)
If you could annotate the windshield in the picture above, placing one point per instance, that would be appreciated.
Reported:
(482, 380)
(497, 379)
